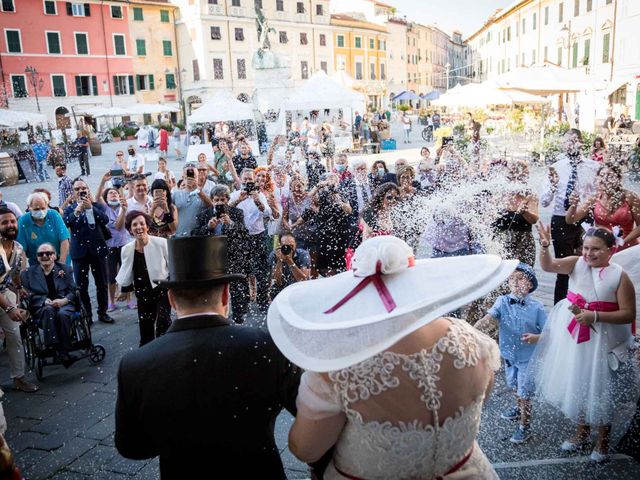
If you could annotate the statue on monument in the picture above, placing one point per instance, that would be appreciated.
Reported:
(264, 58)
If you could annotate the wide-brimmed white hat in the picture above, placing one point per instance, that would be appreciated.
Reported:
(333, 323)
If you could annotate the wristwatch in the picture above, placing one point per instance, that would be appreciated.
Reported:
(543, 245)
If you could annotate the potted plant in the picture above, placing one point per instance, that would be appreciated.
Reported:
(130, 133)
(116, 133)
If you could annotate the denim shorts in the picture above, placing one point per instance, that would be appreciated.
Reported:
(516, 374)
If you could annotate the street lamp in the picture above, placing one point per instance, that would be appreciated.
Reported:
(35, 81)
(447, 66)
(178, 79)
(567, 30)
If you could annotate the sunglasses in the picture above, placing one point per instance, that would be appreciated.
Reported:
(45, 254)
(119, 154)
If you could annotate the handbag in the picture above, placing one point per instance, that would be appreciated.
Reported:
(618, 356)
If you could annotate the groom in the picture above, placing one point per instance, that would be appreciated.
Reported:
(205, 396)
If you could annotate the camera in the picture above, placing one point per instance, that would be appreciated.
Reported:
(286, 249)
(220, 210)
(447, 141)
(250, 187)
(117, 182)
(191, 173)
(83, 194)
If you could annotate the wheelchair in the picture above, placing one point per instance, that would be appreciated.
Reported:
(38, 356)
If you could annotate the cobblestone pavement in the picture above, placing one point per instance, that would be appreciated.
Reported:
(65, 430)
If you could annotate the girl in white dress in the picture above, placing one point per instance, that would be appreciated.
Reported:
(583, 366)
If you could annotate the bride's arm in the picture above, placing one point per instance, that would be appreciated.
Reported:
(319, 421)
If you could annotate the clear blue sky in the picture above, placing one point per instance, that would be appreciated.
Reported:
(464, 15)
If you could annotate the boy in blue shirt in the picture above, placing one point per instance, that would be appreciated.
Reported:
(521, 319)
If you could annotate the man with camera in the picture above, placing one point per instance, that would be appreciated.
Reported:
(190, 200)
(222, 219)
(289, 264)
(255, 207)
(87, 221)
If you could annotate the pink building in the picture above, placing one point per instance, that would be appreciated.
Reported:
(80, 51)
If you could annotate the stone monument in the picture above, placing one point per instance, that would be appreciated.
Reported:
(273, 81)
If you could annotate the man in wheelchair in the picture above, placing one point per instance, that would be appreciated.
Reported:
(52, 300)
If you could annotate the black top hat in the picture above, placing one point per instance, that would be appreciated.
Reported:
(196, 262)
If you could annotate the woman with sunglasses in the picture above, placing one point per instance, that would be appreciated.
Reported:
(612, 206)
(583, 365)
(377, 218)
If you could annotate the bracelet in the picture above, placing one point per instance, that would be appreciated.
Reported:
(595, 317)
(543, 246)
(7, 310)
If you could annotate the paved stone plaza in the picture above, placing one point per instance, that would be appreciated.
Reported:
(65, 430)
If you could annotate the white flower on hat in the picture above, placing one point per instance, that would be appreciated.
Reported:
(391, 254)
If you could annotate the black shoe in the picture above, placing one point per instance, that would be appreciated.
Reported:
(66, 359)
(105, 318)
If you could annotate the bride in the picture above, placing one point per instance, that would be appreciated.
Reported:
(393, 386)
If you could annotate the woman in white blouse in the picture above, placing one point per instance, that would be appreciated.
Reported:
(144, 262)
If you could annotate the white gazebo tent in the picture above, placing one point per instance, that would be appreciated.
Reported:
(323, 93)
(19, 119)
(483, 94)
(224, 107)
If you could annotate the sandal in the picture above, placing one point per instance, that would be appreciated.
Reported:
(132, 305)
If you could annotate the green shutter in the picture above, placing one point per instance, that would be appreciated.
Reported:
(164, 16)
(151, 85)
(94, 84)
(116, 87)
(81, 44)
(53, 39)
(170, 81)
(87, 10)
(587, 51)
(132, 90)
(575, 55)
(605, 48)
(141, 47)
(137, 14)
(13, 41)
(166, 48)
(138, 82)
(78, 86)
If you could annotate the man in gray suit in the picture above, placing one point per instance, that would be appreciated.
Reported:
(52, 300)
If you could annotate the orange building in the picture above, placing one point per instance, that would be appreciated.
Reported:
(360, 49)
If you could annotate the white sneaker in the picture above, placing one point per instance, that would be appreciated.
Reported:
(568, 446)
(598, 457)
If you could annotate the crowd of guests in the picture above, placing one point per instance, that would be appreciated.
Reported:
(290, 222)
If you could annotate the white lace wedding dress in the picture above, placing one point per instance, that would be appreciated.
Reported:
(409, 415)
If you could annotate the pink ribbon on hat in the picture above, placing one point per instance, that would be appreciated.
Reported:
(583, 334)
(376, 279)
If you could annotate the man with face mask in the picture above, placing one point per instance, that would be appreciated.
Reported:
(572, 175)
(12, 262)
(135, 162)
(40, 225)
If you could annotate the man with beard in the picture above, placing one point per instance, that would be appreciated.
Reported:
(570, 176)
(12, 261)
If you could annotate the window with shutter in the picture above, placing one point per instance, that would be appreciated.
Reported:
(141, 47)
(78, 85)
(50, 7)
(574, 60)
(14, 45)
(239, 33)
(94, 84)
(164, 16)
(87, 9)
(151, 83)
(137, 14)
(280, 5)
(118, 45)
(299, 7)
(59, 89)
(82, 44)
(166, 48)
(323, 67)
(8, 6)
(116, 85)
(283, 37)
(116, 11)
(19, 86)
(132, 90)
(304, 70)
(605, 47)
(587, 51)
(215, 33)
(53, 43)
(319, 10)
(323, 40)
(242, 68)
(303, 38)
(196, 70)
(170, 81)
(218, 71)
(140, 83)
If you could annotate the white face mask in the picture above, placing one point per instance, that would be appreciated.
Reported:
(113, 203)
(39, 214)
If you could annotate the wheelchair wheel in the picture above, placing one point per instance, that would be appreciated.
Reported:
(97, 354)
(27, 346)
(39, 368)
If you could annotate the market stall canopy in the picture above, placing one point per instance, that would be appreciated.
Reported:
(483, 94)
(406, 95)
(321, 92)
(546, 80)
(17, 118)
(223, 107)
(150, 108)
(432, 95)
(106, 112)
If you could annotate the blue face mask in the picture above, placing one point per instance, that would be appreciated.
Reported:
(340, 168)
(113, 203)
(38, 214)
(381, 172)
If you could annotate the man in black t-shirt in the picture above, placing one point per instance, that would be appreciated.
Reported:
(244, 159)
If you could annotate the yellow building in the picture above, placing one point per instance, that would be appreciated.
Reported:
(360, 49)
(154, 52)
